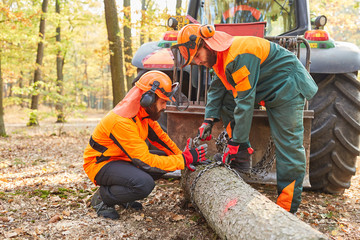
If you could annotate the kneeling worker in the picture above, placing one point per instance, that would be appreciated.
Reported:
(117, 157)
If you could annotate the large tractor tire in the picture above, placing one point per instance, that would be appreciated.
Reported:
(335, 132)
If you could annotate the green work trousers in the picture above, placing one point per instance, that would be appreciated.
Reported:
(287, 130)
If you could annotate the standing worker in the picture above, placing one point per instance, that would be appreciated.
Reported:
(250, 70)
(117, 157)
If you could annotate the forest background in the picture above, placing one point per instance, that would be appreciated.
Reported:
(66, 65)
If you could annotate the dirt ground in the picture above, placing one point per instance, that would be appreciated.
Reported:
(44, 193)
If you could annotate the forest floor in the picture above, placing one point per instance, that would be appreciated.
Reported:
(45, 194)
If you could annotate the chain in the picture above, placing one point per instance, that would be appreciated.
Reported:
(196, 141)
(258, 172)
(221, 141)
(262, 168)
(207, 168)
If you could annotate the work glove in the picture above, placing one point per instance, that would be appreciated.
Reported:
(194, 156)
(204, 131)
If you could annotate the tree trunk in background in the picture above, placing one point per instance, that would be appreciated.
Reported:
(178, 7)
(128, 53)
(39, 59)
(21, 85)
(116, 56)
(87, 84)
(2, 124)
(235, 210)
(142, 27)
(59, 70)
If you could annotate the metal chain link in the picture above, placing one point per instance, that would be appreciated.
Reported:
(261, 168)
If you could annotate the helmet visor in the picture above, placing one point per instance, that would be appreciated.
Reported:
(181, 55)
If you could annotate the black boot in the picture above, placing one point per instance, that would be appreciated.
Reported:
(134, 205)
(242, 161)
(102, 209)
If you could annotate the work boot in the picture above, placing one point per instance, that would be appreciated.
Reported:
(242, 161)
(134, 205)
(101, 208)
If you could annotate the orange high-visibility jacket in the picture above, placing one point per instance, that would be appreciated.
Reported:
(119, 138)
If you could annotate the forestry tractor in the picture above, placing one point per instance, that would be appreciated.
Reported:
(331, 118)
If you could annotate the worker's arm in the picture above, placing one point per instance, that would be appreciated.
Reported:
(215, 96)
(161, 140)
(244, 72)
(126, 136)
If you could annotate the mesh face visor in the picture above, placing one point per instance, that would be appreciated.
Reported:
(181, 55)
(177, 97)
(182, 52)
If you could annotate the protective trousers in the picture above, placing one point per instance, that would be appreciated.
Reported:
(121, 182)
(286, 126)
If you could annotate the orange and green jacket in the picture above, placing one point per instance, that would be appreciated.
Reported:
(254, 70)
(118, 138)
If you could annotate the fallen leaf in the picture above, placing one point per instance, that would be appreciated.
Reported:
(66, 213)
(139, 217)
(4, 219)
(178, 218)
(55, 218)
(10, 234)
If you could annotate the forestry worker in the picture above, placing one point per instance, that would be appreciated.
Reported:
(118, 159)
(249, 70)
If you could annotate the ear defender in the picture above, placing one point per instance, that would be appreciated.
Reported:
(207, 31)
(148, 97)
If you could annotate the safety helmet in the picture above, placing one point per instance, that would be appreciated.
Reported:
(189, 38)
(156, 82)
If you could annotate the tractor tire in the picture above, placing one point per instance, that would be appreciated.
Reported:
(335, 132)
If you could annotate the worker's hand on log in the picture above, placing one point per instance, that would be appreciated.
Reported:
(194, 156)
(230, 151)
(204, 131)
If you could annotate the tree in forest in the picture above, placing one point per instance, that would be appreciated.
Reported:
(116, 55)
(59, 70)
(128, 53)
(2, 125)
(178, 7)
(33, 121)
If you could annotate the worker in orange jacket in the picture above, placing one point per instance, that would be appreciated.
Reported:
(249, 70)
(117, 157)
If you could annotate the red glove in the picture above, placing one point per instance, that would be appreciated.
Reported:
(204, 131)
(193, 156)
(230, 152)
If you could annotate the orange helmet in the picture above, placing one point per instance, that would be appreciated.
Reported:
(188, 42)
(156, 82)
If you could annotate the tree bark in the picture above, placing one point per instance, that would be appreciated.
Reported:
(39, 59)
(237, 211)
(142, 23)
(178, 7)
(116, 55)
(128, 53)
(2, 124)
(59, 70)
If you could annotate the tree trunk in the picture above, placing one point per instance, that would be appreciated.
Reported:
(39, 59)
(59, 70)
(128, 53)
(142, 23)
(2, 124)
(116, 55)
(237, 211)
(21, 85)
(178, 7)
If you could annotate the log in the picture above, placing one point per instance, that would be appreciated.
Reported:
(235, 210)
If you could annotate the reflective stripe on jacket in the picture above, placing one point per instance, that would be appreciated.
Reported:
(119, 138)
